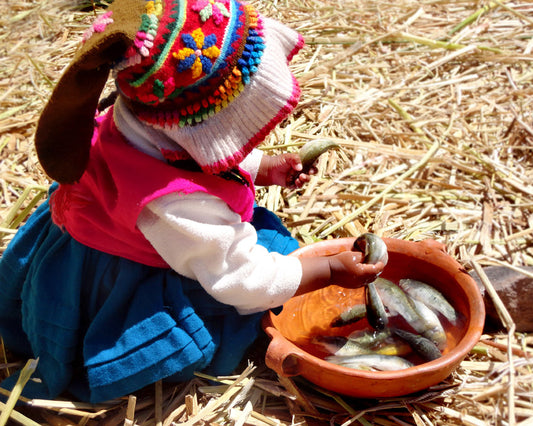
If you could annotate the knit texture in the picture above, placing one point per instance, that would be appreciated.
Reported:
(189, 59)
(212, 74)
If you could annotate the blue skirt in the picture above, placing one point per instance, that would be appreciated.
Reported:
(104, 326)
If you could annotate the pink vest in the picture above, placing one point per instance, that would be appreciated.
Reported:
(101, 210)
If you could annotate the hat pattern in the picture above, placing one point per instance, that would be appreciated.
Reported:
(190, 59)
(210, 77)
(99, 25)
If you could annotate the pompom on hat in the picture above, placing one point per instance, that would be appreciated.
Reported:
(211, 75)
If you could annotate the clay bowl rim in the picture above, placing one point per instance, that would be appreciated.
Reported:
(447, 362)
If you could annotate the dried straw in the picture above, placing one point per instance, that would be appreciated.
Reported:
(431, 103)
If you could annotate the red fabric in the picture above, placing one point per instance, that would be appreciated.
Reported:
(101, 210)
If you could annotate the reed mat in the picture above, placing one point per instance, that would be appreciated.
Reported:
(431, 102)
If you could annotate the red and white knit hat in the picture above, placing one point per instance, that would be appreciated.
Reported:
(211, 75)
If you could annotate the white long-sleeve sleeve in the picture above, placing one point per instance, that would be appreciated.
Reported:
(252, 162)
(200, 237)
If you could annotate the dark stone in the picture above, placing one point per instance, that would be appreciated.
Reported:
(516, 292)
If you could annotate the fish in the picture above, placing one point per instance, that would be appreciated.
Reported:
(375, 309)
(420, 344)
(339, 345)
(392, 346)
(381, 342)
(369, 339)
(397, 302)
(435, 331)
(373, 248)
(354, 314)
(309, 152)
(431, 297)
(371, 362)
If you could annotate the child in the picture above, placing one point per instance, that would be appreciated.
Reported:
(149, 261)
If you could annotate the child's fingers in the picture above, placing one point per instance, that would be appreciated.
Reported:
(301, 179)
(293, 161)
(368, 272)
(312, 171)
(349, 270)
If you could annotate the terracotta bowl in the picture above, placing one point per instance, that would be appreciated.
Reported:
(290, 352)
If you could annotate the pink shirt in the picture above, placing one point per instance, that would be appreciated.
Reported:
(101, 210)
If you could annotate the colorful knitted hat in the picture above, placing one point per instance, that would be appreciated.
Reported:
(211, 75)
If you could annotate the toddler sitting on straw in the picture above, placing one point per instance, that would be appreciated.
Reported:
(149, 261)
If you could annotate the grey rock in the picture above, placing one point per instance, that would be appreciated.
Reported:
(516, 292)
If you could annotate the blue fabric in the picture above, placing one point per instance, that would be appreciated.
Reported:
(104, 326)
(271, 233)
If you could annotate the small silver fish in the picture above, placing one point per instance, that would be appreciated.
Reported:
(373, 247)
(309, 152)
(375, 310)
(380, 342)
(435, 331)
(354, 314)
(396, 301)
(431, 297)
(339, 345)
(371, 362)
(421, 345)
(368, 339)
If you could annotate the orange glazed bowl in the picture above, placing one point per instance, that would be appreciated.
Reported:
(291, 352)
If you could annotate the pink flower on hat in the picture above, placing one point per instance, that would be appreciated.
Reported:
(212, 8)
(98, 26)
(197, 54)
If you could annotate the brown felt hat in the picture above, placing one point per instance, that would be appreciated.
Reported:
(65, 128)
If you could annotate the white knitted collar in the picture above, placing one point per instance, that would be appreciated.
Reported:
(225, 139)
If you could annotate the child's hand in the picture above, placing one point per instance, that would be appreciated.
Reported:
(347, 270)
(344, 269)
(284, 170)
